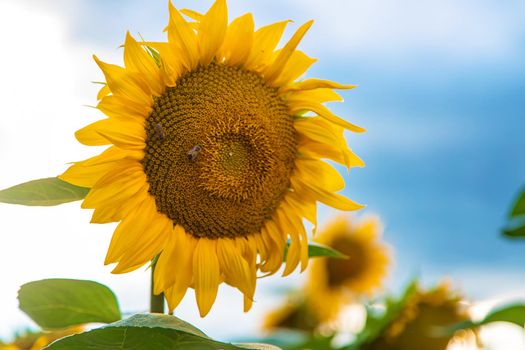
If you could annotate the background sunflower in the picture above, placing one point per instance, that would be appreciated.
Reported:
(332, 282)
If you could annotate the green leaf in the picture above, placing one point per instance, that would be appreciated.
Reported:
(519, 206)
(514, 313)
(143, 331)
(316, 250)
(319, 250)
(60, 303)
(515, 232)
(43, 192)
(376, 323)
(257, 346)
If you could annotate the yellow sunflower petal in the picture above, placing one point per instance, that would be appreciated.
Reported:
(212, 30)
(329, 198)
(111, 194)
(334, 152)
(104, 91)
(207, 274)
(276, 67)
(128, 134)
(125, 83)
(116, 209)
(265, 40)
(322, 173)
(191, 14)
(325, 113)
(234, 267)
(120, 107)
(152, 242)
(314, 95)
(238, 41)
(130, 231)
(181, 34)
(296, 66)
(308, 209)
(89, 136)
(175, 264)
(137, 59)
(86, 173)
(312, 84)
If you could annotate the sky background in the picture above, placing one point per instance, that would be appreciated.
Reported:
(441, 93)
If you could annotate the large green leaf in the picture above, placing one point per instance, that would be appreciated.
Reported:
(514, 313)
(519, 206)
(144, 331)
(319, 250)
(43, 192)
(60, 303)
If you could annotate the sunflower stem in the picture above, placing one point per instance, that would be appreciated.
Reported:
(156, 302)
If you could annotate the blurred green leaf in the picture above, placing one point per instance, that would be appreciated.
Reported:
(61, 303)
(143, 331)
(519, 206)
(257, 346)
(514, 232)
(377, 322)
(43, 192)
(316, 250)
(514, 313)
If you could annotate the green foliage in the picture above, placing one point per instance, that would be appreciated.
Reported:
(146, 331)
(514, 232)
(43, 192)
(319, 250)
(61, 303)
(514, 313)
(519, 206)
(377, 323)
(257, 346)
(515, 227)
(298, 340)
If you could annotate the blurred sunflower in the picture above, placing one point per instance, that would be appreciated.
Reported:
(294, 314)
(418, 324)
(334, 282)
(39, 340)
(214, 154)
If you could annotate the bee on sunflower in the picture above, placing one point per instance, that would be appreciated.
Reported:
(332, 282)
(214, 154)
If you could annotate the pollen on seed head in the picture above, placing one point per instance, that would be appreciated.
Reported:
(229, 156)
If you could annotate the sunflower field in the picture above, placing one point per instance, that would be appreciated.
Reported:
(236, 202)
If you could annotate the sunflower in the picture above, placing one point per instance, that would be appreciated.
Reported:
(334, 282)
(39, 340)
(293, 314)
(419, 323)
(214, 154)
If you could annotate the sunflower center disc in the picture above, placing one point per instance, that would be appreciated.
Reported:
(342, 270)
(219, 152)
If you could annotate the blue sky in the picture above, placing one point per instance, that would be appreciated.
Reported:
(441, 92)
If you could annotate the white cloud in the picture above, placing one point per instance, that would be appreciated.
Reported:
(454, 29)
